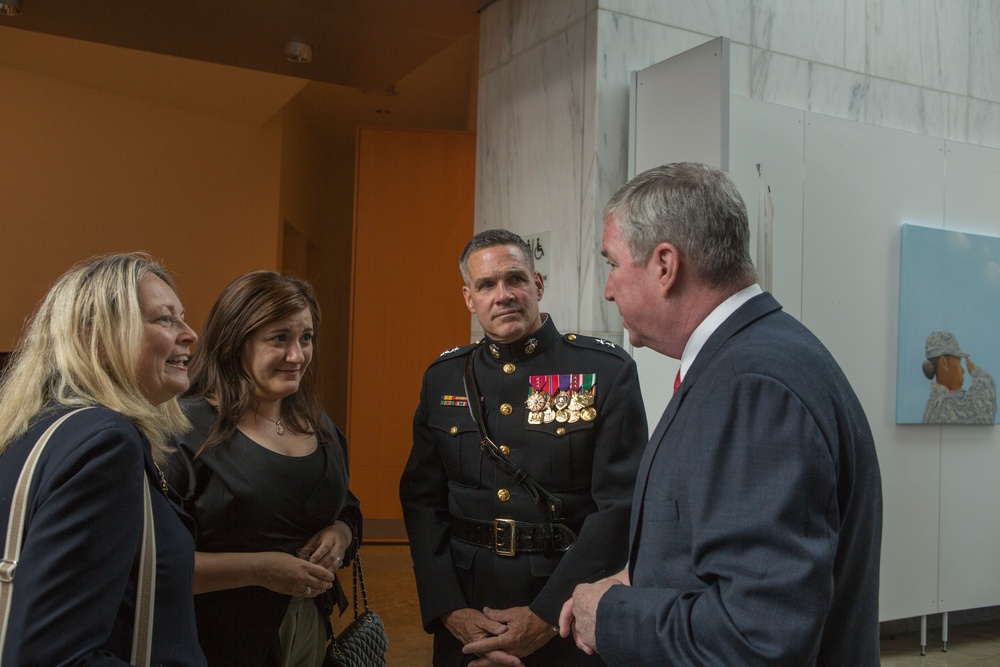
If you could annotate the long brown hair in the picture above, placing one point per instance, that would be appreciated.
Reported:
(218, 371)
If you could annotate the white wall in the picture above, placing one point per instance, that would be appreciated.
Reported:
(553, 100)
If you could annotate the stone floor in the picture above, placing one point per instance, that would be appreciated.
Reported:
(393, 595)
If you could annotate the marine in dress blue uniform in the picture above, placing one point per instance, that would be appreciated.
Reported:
(567, 409)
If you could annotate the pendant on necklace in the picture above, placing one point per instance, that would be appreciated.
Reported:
(278, 428)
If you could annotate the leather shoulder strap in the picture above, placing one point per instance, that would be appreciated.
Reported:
(535, 490)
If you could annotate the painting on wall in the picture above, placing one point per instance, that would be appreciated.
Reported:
(949, 321)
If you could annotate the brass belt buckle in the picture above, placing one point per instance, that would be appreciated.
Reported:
(502, 528)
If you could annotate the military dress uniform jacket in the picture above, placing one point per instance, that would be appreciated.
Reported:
(587, 460)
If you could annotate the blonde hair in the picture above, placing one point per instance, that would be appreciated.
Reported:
(82, 347)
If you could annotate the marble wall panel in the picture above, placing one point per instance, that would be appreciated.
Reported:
(529, 156)
(590, 308)
(920, 42)
(624, 44)
(905, 107)
(509, 27)
(809, 86)
(711, 18)
(958, 118)
(984, 123)
(855, 46)
(779, 79)
(810, 30)
(740, 68)
(984, 50)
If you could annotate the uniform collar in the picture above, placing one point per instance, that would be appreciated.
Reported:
(525, 348)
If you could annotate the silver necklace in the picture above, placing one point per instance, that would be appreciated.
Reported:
(278, 428)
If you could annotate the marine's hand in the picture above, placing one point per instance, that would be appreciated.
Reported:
(468, 625)
(284, 573)
(526, 633)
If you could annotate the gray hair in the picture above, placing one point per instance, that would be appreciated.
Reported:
(489, 239)
(695, 207)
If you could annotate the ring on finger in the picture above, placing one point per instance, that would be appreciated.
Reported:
(307, 591)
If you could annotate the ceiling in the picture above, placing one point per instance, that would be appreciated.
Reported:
(409, 63)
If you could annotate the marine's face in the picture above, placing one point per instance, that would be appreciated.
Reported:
(503, 293)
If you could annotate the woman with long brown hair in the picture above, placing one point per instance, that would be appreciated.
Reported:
(266, 473)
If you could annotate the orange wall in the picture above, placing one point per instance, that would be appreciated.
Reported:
(86, 172)
(414, 214)
(317, 204)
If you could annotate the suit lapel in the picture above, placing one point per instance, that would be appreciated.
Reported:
(745, 315)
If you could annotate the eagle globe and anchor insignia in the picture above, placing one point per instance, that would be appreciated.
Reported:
(561, 398)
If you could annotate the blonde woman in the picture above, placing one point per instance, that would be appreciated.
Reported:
(110, 334)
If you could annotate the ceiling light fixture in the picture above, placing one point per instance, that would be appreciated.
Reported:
(298, 52)
(10, 7)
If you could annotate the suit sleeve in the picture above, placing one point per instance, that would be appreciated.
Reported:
(423, 492)
(82, 540)
(602, 547)
(762, 513)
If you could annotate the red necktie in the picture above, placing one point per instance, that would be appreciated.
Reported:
(677, 381)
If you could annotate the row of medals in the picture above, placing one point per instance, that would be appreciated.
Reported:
(566, 406)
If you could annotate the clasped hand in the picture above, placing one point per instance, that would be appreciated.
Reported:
(499, 636)
(308, 578)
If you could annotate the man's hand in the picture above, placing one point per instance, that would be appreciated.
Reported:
(579, 613)
(469, 625)
(526, 633)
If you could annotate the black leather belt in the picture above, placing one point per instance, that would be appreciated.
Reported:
(507, 537)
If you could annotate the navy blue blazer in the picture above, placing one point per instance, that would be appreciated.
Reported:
(75, 583)
(756, 524)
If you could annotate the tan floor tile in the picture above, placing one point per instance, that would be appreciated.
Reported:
(392, 593)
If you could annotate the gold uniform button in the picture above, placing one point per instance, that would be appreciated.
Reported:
(571, 337)
(506, 409)
(453, 430)
(560, 431)
(509, 368)
(503, 495)
(505, 450)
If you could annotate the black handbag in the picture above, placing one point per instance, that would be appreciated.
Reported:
(362, 643)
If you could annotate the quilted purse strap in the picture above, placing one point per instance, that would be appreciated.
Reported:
(359, 582)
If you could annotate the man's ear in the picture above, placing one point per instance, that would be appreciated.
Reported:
(666, 263)
(467, 294)
(539, 285)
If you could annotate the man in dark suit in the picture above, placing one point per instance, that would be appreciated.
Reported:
(756, 523)
(494, 561)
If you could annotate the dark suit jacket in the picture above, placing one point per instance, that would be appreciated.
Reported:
(74, 586)
(756, 524)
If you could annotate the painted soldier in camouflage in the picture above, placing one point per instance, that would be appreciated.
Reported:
(948, 402)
